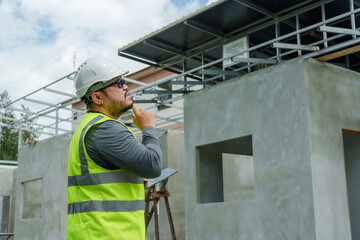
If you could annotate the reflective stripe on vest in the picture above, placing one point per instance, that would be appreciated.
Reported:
(84, 163)
(105, 206)
(101, 178)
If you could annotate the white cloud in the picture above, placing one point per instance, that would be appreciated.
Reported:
(38, 38)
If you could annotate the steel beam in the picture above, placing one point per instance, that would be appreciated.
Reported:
(60, 92)
(295, 46)
(256, 7)
(204, 28)
(73, 109)
(135, 82)
(164, 92)
(171, 106)
(39, 102)
(352, 17)
(27, 129)
(47, 126)
(144, 101)
(169, 119)
(137, 59)
(8, 118)
(254, 60)
(162, 46)
(219, 72)
(339, 30)
(191, 83)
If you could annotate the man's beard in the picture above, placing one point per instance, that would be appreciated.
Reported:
(126, 108)
(115, 110)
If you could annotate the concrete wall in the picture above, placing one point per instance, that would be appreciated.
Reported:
(352, 168)
(280, 107)
(7, 190)
(41, 190)
(334, 104)
(172, 144)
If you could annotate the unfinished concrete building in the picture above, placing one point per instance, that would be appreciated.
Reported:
(268, 93)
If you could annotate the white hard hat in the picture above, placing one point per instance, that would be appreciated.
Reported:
(95, 70)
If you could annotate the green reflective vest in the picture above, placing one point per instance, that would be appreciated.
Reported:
(102, 204)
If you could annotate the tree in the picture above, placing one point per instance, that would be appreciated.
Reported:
(9, 135)
(27, 135)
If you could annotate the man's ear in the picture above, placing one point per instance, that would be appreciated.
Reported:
(97, 98)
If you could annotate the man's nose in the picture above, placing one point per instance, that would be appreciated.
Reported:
(125, 87)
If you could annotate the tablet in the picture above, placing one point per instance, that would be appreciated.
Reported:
(165, 173)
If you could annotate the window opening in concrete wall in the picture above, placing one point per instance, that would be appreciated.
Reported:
(225, 171)
(4, 216)
(32, 199)
(351, 141)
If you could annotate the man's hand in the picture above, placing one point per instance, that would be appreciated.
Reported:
(145, 181)
(142, 118)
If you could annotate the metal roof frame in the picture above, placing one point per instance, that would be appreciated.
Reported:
(277, 32)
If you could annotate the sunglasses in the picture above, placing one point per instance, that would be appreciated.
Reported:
(120, 83)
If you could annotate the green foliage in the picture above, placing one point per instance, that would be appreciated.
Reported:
(8, 135)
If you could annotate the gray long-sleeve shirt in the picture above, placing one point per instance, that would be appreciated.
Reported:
(112, 146)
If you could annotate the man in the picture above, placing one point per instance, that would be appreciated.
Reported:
(106, 162)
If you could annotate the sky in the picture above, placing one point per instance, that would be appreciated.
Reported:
(39, 38)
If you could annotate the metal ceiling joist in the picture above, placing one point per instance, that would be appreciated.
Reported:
(171, 105)
(135, 82)
(171, 100)
(73, 109)
(204, 28)
(149, 63)
(46, 126)
(219, 72)
(39, 102)
(339, 30)
(20, 110)
(134, 58)
(27, 129)
(166, 92)
(169, 119)
(163, 46)
(60, 92)
(190, 83)
(9, 119)
(144, 101)
(256, 7)
(295, 46)
(254, 60)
